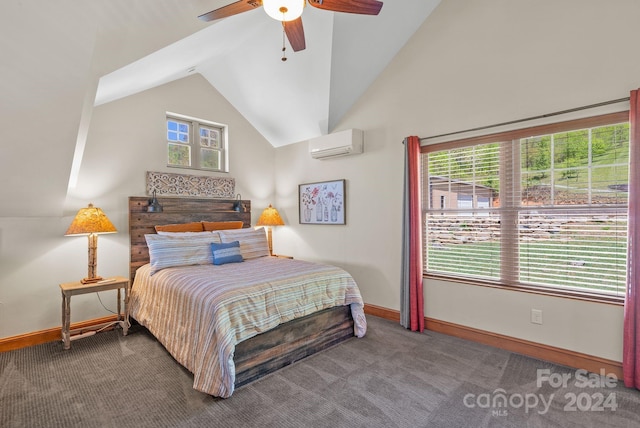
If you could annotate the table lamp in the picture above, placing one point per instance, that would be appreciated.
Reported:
(91, 221)
(270, 217)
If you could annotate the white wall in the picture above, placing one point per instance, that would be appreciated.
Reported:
(126, 138)
(472, 63)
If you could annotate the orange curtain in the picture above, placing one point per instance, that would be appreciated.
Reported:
(631, 344)
(412, 301)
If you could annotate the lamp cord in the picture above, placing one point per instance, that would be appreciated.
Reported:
(113, 312)
(105, 308)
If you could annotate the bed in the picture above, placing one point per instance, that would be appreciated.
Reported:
(235, 321)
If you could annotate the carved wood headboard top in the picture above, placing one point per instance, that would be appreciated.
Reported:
(176, 210)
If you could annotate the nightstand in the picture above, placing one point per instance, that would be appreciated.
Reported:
(75, 288)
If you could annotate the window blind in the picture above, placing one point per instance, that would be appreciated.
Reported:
(546, 211)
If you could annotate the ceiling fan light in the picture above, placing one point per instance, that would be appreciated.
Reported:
(292, 9)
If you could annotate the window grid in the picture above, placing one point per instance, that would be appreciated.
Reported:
(210, 151)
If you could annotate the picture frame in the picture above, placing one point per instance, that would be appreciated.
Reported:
(322, 202)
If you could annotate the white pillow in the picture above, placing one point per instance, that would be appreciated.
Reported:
(176, 249)
(253, 242)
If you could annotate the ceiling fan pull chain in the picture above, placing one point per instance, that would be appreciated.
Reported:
(284, 47)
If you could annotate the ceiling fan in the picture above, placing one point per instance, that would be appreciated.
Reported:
(290, 11)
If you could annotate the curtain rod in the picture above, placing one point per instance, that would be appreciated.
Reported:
(511, 122)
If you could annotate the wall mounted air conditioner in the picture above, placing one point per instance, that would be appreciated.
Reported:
(343, 143)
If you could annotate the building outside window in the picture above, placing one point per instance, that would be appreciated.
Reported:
(541, 211)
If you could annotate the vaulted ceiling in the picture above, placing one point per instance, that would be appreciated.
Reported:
(290, 101)
(61, 58)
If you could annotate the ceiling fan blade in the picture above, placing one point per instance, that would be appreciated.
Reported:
(362, 7)
(295, 34)
(231, 9)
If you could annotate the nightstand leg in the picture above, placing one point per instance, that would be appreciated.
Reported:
(119, 297)
(66, 321)
(125, 324)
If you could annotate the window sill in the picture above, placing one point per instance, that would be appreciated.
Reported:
(575, 295)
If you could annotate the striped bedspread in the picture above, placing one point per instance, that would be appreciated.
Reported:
(199, 313)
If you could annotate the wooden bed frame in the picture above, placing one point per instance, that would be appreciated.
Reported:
(267, 352)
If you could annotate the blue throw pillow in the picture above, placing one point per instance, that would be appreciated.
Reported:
(226, 253)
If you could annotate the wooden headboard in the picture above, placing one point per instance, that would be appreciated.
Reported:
(176, 210)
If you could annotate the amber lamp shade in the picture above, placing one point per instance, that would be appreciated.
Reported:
(91, 221)
(270, 217)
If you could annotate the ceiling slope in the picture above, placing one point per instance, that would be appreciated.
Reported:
(290, 101)
(53, 54)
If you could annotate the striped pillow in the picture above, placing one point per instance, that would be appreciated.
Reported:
(253, 242)
(169, 250)
(226, 253)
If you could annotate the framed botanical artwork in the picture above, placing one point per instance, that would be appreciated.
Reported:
(322, 202)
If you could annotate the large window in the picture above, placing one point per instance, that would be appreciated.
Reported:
(196, 144)
(547, 211)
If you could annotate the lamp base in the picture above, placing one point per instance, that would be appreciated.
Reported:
(269, 240)
(91, 280)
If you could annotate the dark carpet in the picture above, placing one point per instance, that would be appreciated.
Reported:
(390, 378)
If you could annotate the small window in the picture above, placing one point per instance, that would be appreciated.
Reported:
(196, 144)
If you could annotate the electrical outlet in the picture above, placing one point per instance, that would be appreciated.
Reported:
(536, 316)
